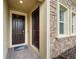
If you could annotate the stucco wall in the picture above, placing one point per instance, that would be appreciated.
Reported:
(43, 30)
(59, 45)
(5, 29)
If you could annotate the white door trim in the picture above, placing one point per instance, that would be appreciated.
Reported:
(26, 28)
(48, 29)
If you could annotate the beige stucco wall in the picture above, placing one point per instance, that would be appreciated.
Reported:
(5, 29)
(62, 44)
(43, 30)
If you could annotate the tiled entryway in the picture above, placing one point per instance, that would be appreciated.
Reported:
(26, 53)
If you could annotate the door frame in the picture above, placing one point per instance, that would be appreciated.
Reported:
(26, 28)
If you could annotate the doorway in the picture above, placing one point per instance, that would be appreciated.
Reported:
(18, 29)
(35, 28)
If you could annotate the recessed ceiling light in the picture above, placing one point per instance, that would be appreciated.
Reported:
(21, 1)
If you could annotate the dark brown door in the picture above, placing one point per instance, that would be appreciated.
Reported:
(35, 28)
(18, 29)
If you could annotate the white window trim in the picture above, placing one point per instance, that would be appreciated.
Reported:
(63, 36)
(58, 15)
(72, 24)
(69, 33)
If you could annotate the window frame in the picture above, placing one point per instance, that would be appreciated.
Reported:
(60, 19)
(61, 35)
(68, 25)
(73, 24)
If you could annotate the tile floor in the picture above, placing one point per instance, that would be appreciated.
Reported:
(27, 53)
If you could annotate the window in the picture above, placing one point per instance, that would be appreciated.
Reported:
(62, 11)
(66, 21)
(73, 23)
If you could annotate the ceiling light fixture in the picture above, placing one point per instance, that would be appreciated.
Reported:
(20, 1)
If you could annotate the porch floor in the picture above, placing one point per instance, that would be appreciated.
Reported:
(27, 53)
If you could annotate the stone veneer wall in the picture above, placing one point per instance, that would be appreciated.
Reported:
(59, 45)
(69, 54)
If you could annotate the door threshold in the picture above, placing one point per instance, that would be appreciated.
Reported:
(16, 45)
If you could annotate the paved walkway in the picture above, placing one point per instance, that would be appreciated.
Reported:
(27, 53)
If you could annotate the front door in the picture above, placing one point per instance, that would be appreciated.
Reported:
(18, 29)
(35, 28)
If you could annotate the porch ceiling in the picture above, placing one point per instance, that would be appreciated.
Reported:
(25, 7)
